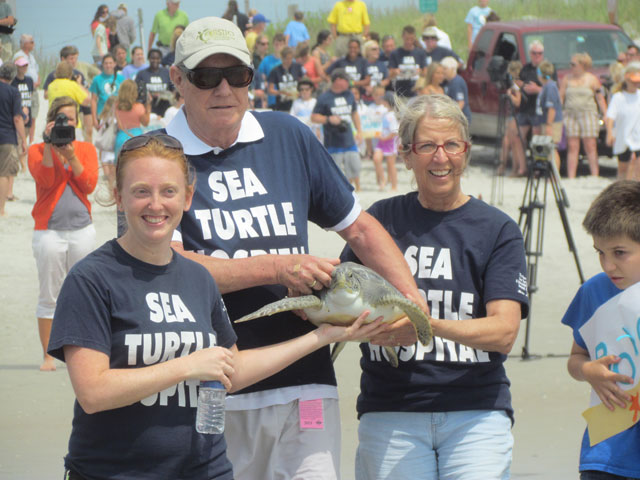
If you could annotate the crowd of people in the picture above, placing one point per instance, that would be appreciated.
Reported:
(248, 147)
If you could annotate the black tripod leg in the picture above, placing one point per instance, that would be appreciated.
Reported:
(561, 202)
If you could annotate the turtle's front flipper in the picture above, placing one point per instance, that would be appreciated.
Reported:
(392, 356)
(419, 319)
(335, 351)
(284, 305)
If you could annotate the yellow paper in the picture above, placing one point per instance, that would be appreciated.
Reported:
(602, 423)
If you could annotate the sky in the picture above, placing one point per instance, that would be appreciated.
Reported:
(55, 24)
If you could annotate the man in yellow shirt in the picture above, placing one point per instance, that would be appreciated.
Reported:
(348, 19)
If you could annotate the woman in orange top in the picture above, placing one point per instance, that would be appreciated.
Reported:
(64, 233)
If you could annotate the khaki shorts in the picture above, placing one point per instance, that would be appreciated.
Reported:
(556, 132)
(581, 124)
(349, 162)
(9, 161)
(268, 443)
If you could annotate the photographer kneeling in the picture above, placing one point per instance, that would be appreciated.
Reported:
(66, 172)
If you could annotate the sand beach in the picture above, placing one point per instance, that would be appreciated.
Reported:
(36, 407)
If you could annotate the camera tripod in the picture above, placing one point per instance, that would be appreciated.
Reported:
(542, 169)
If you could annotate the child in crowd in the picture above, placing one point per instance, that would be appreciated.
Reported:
(302, 106)
(178, 101)
(108, 157)
(372, 119)
(511, 139)
(386, 148)
(362, 112)
(549, 106)
(613, 220)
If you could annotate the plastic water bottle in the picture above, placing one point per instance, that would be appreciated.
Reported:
(211, 403)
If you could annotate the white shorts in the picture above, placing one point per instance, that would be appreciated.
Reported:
(56, 251)
(107, 158)
(268, 443)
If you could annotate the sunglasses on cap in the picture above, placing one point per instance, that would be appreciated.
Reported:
(210, 77)
(143, 140)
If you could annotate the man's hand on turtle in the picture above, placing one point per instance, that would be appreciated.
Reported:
(304, 273)
(400, 333)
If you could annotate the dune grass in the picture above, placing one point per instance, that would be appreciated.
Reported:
(451, 13)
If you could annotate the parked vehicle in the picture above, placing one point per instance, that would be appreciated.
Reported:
(498, 43)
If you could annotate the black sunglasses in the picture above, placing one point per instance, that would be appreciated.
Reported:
(143, 140)
(210, 77)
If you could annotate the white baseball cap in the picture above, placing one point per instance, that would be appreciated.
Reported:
(208, 36)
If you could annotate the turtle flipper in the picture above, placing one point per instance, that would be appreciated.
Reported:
(419, 319)
(284, 305)
(337, 348)
(392, 356)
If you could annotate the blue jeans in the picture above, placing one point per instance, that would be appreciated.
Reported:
(467, 445)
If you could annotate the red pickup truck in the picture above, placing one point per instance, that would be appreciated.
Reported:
(498, 43)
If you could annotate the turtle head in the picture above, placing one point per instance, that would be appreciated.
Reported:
(345, 277)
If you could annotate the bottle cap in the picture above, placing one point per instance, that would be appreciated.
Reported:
(212, 384)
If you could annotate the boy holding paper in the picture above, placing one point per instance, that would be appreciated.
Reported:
(597, 355)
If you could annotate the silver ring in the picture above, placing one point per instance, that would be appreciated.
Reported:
(314, 283)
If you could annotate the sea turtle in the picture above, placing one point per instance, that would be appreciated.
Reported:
(354, 288)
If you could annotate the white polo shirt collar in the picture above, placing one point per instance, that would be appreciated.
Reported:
(250, 131)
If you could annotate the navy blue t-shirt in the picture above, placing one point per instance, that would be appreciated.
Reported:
(156, 83)
(25, 87)
(410, 63)
(257, 198)
(337, 138)
(378, 71)
(285, 80)
(456, 88)
(438, 53)
(10, 106)
(549, 97)
(356, 69)
(76, 74)
(139, 315)
(460, 259)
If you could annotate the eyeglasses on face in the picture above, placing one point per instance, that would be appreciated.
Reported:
(210, 77)
(143, 140)
(537, 52)
(452, 147)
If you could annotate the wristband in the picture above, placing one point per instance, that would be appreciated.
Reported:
(46, 138)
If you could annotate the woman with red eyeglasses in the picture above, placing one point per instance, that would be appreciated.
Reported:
(450, 413)
(138, 338)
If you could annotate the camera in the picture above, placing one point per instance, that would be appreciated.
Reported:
(542, 147)
(498, 74)
(62, 133)
(342, 127)
(142, 92)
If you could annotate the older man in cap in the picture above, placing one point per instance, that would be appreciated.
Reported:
(260, 177)
(435, 52)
